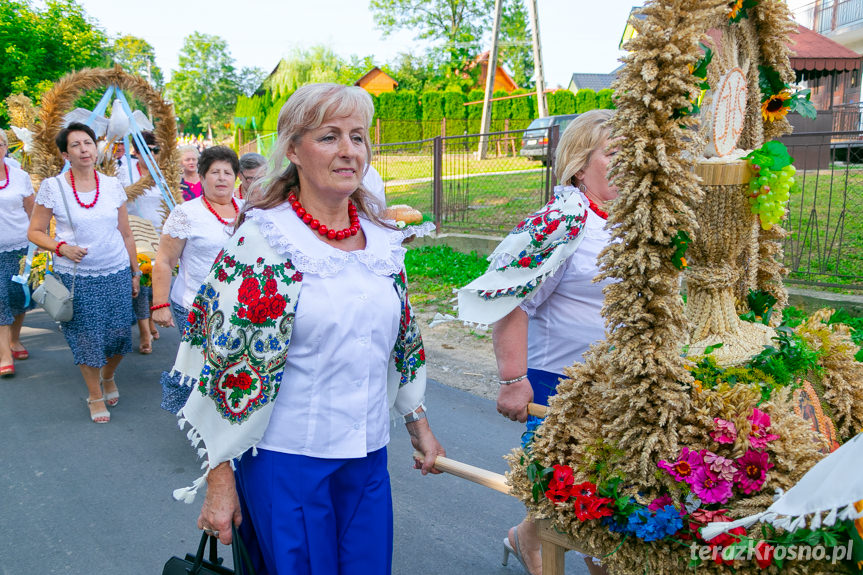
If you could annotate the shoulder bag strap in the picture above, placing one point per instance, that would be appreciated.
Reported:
(71, 225)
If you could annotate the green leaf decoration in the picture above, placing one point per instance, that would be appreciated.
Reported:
(711, 348)
(680, 242)
(769, 82)
(803, 107)
(773, 155)
(700, 69)
(761, 303)
(744, 10)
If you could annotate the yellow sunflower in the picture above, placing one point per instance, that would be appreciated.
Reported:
(775, 107)
(735, 9)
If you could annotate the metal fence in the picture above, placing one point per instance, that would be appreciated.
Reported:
(825, 214)
(444, 178)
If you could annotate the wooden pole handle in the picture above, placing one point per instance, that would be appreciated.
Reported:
(478, 475)
(537, 410)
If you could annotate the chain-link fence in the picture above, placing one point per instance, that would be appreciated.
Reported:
(462, 190)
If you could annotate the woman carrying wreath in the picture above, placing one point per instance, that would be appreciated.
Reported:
(302, 345)
(539, 292)
(16, 204)
(95, 258)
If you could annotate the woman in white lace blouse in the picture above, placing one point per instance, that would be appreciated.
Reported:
(95, 258)
(193, 235)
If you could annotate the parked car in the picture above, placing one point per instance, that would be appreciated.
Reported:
(534, 141)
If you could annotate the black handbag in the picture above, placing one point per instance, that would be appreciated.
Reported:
(197, 565)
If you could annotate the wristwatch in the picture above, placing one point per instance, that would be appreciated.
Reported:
(415, 416)
(137, 274)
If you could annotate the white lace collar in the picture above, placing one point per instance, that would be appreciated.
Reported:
(289, 236)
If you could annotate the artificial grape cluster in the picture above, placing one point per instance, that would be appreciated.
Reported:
(770, 191)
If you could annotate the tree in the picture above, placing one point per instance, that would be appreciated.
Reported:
(249, 80)
(206, 86)
(42, 45)
(317, 64)
(458, 27)
(516, 46)
(136, 56)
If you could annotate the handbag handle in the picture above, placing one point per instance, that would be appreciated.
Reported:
(71, 225)
(242, 561)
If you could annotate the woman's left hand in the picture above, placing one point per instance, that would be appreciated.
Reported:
(426, 443)
(136, 286)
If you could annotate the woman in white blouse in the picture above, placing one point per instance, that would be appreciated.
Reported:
(193, 234)
(16, 204)
(307, 301)
(558, 320)
(95, 258)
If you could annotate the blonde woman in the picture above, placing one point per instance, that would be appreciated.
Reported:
(551, 323)
(312, 379)
(190, 183)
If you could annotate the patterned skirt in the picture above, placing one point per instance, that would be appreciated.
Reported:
(11, 293)
(143, 302)
(101, 326)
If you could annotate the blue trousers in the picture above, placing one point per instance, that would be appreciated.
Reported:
(310, 516)
(544, 384)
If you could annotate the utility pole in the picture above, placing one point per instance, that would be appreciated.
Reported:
(542, 110)
(491, 72)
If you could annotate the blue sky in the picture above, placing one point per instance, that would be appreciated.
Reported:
(577, 35)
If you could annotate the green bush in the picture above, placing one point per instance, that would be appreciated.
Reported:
(401, 112)
(500, 110)
(432, 106)
(560, 102)
(523, 108)
(585, 101)
(453, 105)
(604, 99)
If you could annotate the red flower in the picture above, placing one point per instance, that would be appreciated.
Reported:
(553, 225)
(560, 484)
(222, 275)
(557, 496)
(248, 272)
(586, 489)
(241, 312)
(240, 380)
(259, 311)
(270, 286)
(422, 355)
(539, 237)
(592, 507)
(537, 221)
(764, 554)
(191, 318)
(524, 262)
(277, 306)
(297, 277)
(249, 291)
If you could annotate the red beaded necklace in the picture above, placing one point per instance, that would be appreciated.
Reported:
(75, 191)
(352, 230)
(8, 175)
(602, 214)
(218, 217)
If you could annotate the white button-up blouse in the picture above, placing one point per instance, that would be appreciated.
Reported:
(564, 314)
(333, 400)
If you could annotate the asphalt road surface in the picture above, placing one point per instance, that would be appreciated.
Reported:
(82, 498)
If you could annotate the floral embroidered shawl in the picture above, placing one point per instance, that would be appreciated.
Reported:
(532, 251)
(233, 352)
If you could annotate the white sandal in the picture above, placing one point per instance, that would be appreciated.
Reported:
(112, 398)
(99, 416)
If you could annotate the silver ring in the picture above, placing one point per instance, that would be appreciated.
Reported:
(212, 532)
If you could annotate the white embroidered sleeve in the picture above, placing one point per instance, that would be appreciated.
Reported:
(178, 224)
(544, 291)
(46, 194)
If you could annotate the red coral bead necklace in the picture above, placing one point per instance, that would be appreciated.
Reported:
(601, 213)
(218, 217)
(310, 221)
(8, 175)
(75, 191)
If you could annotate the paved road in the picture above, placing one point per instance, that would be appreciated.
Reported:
(81, 498)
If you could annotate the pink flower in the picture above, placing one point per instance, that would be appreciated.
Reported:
(724, 431)
(684, 468)
(759, 436)
(752, 471)
(660, 502)
(721, 466)
(709, 487)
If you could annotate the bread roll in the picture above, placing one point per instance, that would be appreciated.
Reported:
(404, 213)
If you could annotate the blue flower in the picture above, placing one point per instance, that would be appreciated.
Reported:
(615, 525)
(259, 346)
(668, 519)
(653, 526)
(222, 340)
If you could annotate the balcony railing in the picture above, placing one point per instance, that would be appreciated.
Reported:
(826, 16)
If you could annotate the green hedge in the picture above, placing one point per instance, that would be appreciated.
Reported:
(402, 111)
(585, 101)
(560, 102)
(604, 99)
